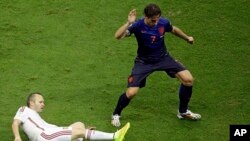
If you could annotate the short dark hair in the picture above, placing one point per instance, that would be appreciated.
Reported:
(152, 10)
(31, 97)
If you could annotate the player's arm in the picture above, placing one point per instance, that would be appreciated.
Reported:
(178, 32)
(122, 31)
(15, 128)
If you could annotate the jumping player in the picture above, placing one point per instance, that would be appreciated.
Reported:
(152, 56)
(39, 130)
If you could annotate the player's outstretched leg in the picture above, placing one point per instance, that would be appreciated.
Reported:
(121, 104)
(120, 134)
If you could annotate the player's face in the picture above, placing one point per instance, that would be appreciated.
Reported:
(38, 104)
(152, 21)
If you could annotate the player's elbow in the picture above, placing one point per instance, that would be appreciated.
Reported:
(175, 30)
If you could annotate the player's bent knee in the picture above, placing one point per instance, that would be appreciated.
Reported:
(130, 95)
(78, 130)
(131, 92)
(188, 81)
(78, 125)
(78, 133)
(185, 77)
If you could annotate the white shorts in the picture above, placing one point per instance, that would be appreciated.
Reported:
(56, 134)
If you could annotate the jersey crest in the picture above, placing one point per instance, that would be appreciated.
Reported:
(161, 30)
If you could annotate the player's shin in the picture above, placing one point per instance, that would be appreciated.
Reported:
(121, 104)
(185, 93)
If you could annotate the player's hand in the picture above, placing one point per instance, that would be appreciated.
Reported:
(132, 16)
(190, 40)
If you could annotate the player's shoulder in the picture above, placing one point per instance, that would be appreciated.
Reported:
(23, 108)
(164, 20)
(138, 22)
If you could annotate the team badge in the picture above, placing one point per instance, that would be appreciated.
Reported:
(130, 79)
(161, 30)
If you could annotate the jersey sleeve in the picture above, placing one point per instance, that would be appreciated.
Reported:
(132, 28)
(21, 114)
(168, 26)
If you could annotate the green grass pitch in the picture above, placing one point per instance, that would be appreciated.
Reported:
(66, 50)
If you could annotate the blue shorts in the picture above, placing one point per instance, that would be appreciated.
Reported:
(142, 70)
